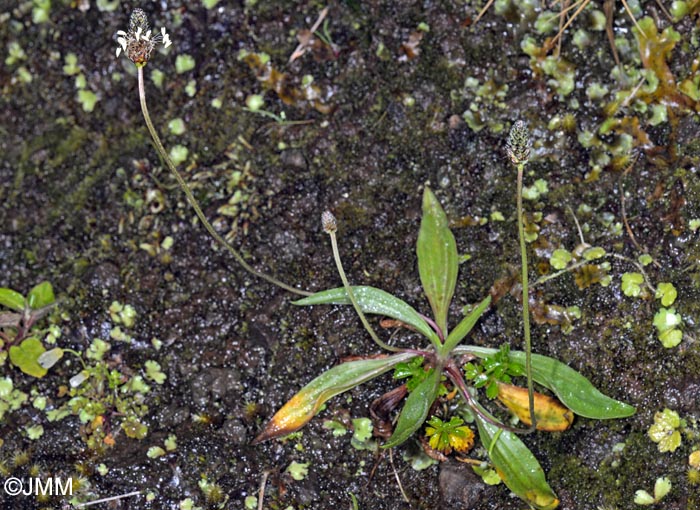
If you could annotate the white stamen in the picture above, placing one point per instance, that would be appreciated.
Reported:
(138, 34)
(166, 37)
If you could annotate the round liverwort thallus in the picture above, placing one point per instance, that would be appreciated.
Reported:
(138, 42)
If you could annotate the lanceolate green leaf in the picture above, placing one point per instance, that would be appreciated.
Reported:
(306, 403)
(416, 409)
(517, 466)
(466, 325)
(375, 301)
(573, 389)
(437, 258)
(12, 299)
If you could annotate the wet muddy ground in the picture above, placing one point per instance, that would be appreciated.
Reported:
(392, 96)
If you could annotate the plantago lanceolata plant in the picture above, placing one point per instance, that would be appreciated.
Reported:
(442, 358)
(438, 267)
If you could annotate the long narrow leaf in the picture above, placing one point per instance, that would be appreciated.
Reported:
(465, 326)
(437, 258)
(517, 466)
(416, 409)
(375, 301)
(305, 404)
(573, 389)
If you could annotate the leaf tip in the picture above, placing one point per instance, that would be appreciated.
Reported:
(270, 432)
(429, 199)
(278, 426)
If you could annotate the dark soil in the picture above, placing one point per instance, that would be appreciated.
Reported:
(82, 193)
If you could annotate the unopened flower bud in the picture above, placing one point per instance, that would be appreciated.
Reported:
(518, 146)
(328, 222)
(138, 21)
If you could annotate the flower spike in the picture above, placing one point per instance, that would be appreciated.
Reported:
(518, 146)
(328, 222)
(138, 43)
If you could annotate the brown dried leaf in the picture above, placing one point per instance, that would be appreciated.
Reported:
(411, 47)
(10, 319)
(381, 408)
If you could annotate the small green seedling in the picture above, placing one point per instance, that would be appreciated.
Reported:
(19, 336)
(362, 429)
(153, 372)
(666, 430)
(493, 370)
(661, 488)
(337, 428)
(298, 470)
(154, 452)
(632, 284)
(666, 321)
(10, 397)
(122, 314)
(667, 293)
(560, 258)
(171, 443)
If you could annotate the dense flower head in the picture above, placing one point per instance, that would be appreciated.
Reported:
(138, 21)
(328, 222)
(138, 42)
(518, 146)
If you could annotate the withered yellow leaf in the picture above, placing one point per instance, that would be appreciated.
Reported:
(550, 414)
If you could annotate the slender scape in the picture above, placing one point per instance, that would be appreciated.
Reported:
(518, 149)
(330, 227)
(193, 201)
(138, 43)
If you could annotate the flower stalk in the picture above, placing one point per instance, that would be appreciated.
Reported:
(329, 227)
(518, 148)
(137, 44)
